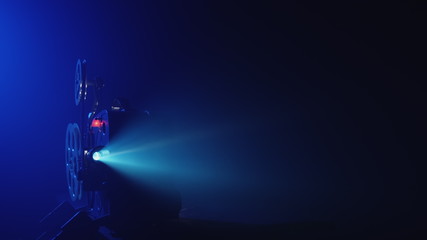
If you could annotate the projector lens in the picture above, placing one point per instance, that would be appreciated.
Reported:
(100, 154)
(96, 156)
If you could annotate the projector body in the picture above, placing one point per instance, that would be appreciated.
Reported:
(93, 186)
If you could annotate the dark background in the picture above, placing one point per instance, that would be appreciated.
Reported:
(329, 96)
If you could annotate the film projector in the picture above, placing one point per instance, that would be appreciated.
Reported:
(98, 195)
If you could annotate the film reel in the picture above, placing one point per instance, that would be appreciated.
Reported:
(80, 82)
(73, 160)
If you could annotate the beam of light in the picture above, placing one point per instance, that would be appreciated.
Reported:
(212, 167)
(149, 146)
(143, 152)
(170, 156)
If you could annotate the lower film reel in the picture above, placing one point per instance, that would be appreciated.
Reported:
(73, 160)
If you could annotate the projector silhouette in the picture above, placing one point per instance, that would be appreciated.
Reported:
(100, 197)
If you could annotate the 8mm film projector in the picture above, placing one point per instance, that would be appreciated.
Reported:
(102, 202)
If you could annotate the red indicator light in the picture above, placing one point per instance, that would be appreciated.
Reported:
(96, 123)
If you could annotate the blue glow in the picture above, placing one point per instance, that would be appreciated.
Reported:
(330, 114)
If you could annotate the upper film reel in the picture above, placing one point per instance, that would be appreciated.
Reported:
(80, 82)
